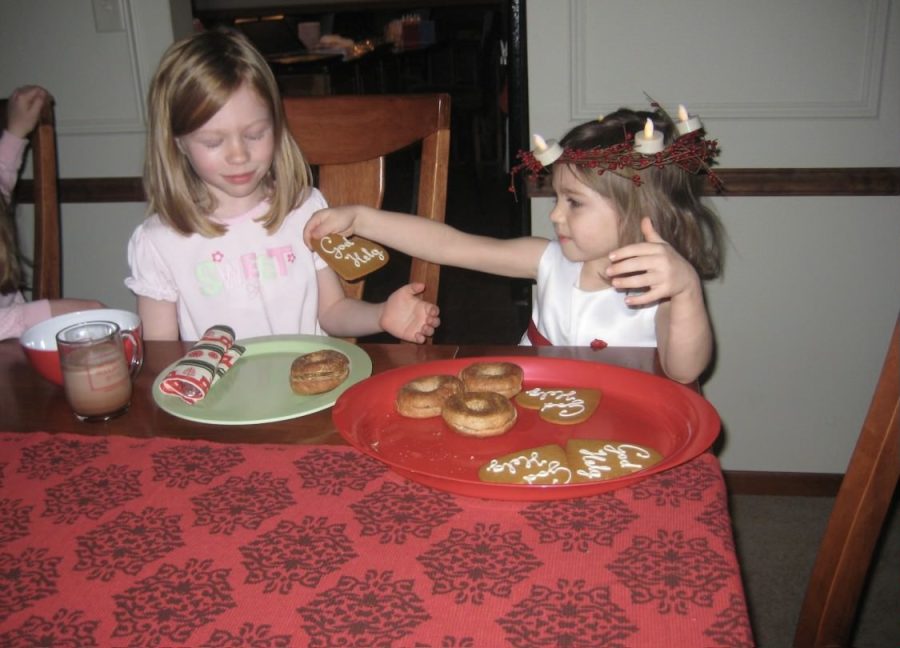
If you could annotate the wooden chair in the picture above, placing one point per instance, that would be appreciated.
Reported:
(842, 564)
(347, 137)
(46, 277)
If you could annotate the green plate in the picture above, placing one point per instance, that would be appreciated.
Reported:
(258, 390)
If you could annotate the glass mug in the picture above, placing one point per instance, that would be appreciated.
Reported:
(96, 373)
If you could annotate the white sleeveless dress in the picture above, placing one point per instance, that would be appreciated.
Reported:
(568, 316)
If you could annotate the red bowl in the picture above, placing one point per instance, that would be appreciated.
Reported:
(39, 341)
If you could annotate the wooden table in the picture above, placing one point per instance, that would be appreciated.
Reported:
(30, 403)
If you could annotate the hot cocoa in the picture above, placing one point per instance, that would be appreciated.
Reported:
(96, 376)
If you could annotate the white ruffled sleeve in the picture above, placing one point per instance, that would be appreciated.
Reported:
(150, 275)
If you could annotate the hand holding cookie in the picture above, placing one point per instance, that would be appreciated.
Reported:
(351, 258)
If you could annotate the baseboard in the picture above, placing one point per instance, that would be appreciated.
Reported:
(752, 482)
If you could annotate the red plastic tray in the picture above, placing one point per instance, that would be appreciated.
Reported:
(635, 407)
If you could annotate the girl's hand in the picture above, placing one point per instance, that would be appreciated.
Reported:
(331, 220)
(24, 109)
(653, 266)
(407, 317)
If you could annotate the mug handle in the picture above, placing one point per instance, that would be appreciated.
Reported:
(134, 352)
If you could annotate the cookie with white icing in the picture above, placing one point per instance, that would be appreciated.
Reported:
(543, 465)
(561, 405)
(595, 460)
(351, 258)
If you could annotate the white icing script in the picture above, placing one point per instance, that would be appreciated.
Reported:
(565, 401)
(540, 468)
(343, 250)
(597, 462)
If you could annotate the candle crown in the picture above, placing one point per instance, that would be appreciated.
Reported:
(545, 151)
(690, 150)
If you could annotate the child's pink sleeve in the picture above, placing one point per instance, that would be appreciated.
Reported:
(17, 316)
(12, 149)
(150, 275)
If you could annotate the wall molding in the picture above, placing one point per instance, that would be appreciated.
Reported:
(749, 482)
(864, 105)
(848, 181)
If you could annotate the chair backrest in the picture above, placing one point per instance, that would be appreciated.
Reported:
(842, 564)
(46, 280)
(347, 138)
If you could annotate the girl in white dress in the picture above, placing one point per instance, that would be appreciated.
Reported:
(633, 240)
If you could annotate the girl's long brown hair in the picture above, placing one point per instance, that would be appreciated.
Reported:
(668, 195)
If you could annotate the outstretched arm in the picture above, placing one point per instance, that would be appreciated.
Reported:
(683, 331)
(434, 242)
(63, 306)
(404, 315)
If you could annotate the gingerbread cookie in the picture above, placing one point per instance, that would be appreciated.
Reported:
(593, 460)
(565, 405)
(351, 258)
(543, 465)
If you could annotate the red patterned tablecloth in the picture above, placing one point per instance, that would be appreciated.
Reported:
(157, 542)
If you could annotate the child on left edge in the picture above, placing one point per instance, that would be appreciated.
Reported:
(17, 315)
(229, 194)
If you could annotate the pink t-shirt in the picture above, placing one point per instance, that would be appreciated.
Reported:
(255, 282)
(17, 315)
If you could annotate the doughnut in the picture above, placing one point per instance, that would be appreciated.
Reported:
(504, 378)
(319, 371)
(479, 414)
(424, 397)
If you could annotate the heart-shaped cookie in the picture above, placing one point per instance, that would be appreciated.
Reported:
(595, 459)
(563, 405)
(351, 258)
(544, 465)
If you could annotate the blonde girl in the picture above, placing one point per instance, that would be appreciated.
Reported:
(229, 193)
(633, 243)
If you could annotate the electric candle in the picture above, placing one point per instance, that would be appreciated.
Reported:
(687, 123)
(649, 141)
(546, 152)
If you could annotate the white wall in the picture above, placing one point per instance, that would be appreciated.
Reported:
(812, 285)
(99, 82)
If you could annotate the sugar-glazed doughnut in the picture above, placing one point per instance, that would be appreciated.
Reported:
(319, 371)
(479, 414)
(424, 397)
(503, 378)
